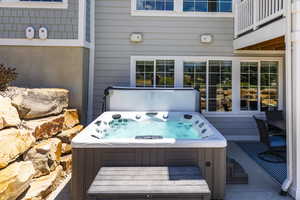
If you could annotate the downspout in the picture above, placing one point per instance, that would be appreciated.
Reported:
(289, 111)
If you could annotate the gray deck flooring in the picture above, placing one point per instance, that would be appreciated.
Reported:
(261, 185)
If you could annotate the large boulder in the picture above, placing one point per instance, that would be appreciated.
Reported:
(13, 143)
(66, 163)
(38, 102)
(66, 148)
(45, 127)
(15, 179)
(67, 135)
(41, 187)
(45, 156)
(9, 116)
(71, 118)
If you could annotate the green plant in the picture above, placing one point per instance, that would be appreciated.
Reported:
(7, 75)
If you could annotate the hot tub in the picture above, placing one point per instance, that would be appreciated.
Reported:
(150, 129)
(149, 139)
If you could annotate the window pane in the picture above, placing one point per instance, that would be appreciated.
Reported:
(201, 6)
(195, 76)
(149, 80)
(225, 6)
(144, 73)
(155, 5)
(200, 79)
(220, 86)
(249, 86)
(140, 66)
(160, 79)
(188, 80)
(140, 80)
(188, 5)
(226, 80)
(212, 6)
(269, 85)
(165, 73)
(169, 80)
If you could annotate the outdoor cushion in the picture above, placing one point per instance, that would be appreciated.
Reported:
(277, 141)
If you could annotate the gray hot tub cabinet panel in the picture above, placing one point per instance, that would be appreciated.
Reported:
(88, 161)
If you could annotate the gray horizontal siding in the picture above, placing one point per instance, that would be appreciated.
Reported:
(230, 127)
(163, 36)
(61, 23)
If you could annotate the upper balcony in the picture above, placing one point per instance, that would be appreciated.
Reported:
(259, 25)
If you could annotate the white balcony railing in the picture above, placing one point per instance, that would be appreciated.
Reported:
(250, 14)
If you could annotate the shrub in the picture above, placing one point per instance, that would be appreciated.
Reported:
(7, 75)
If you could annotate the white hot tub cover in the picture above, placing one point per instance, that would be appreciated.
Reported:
(152, 99)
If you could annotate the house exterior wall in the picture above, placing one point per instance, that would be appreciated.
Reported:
(61, 23)
(58, 67)
(163, 36)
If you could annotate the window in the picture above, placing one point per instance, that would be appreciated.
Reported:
(220, 88)
(264, 86)
(207, 5)
(227, 84)
(43, 0)
(269, 85)
(158, 73)
(249, 86)
(155, 5)
(205, 8)
(195, 76)
(53, 4)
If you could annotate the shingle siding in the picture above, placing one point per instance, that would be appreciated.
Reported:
(163, 36)
(61, 23)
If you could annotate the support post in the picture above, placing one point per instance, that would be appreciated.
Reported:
(295, 67)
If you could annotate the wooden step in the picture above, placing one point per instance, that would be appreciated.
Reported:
(163, 183)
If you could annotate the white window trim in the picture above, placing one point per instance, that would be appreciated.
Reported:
(178, 79)
(178, 11)
(33, 4)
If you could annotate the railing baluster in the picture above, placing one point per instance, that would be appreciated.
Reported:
(250, 14)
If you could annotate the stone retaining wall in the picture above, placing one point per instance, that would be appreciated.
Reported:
(36, 129)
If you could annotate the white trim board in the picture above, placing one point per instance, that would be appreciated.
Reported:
(178, 11)
(81, 20)
(48, 42)
(236, 112)
(33, 4)
(91, 65)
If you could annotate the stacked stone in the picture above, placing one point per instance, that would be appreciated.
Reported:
(36, 129)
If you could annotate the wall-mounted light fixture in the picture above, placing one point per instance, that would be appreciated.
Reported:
(136, 37)
(29, 32)
(206, 38)
(43, 33)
